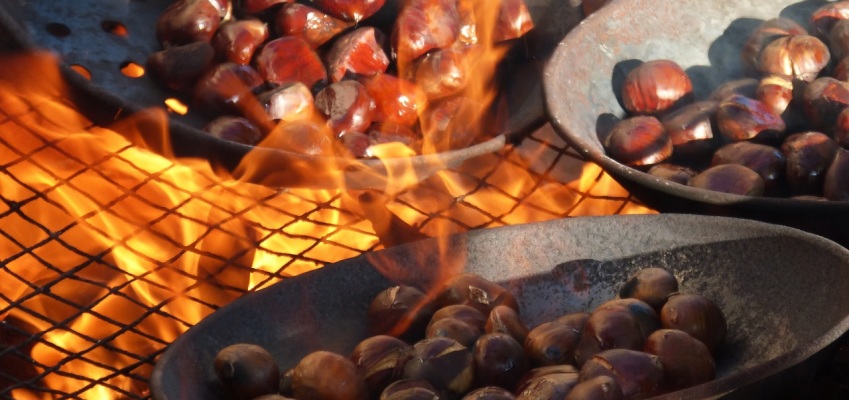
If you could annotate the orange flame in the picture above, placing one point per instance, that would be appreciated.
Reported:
(112, 250)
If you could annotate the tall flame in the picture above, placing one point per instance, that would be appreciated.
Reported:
(111, 250)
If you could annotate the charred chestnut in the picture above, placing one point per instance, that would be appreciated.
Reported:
(656, 87)
(651, 285)
(696, 315)
(247, 371)
(323, 375)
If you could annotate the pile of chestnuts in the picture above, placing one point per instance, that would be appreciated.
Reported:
(332, 77)
(781, 132)
(468, 342)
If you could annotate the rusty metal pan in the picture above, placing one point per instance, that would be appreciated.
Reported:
(785, 294)
(705, 37)
(79, 32)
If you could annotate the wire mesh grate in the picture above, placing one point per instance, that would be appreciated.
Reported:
(110, 251)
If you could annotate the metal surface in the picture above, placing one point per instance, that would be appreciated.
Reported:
(86, 40)
(705, 38)
(784, 293)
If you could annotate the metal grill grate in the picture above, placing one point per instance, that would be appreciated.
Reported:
(109, 251)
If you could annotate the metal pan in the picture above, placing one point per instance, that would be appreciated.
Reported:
(785, 294)
(31, 24)
(705, 37)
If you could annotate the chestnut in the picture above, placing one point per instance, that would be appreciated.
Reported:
(179, 67)
(349, 10)
(503, 319)
(467, 314)
(237, 40)
(357, 53)
(410, 389)
(395, 100)
(836, 185)
(763, 35)
(456, 329)
(489, 393)
(380, 360)
(767, 161)
(290, 59)
(671, 172)
(310, 24)
(690, 128)
(285, 388)
(401, 311)
(696, 315)
(794, 57)
(823, 100)
(776, 92)
(446, 364)
(288, 102)
(347, 106)
(441, 73)
(639, 374)
(553, 342)
(610, 326)
(822, 20)
(301, 137)
(650, 285)
(234, 129)
(637, 141)
(514, 21)
(475, 291)
(656, 87)
(546, 370)
(840, 131)
(808, 156)
(686, 361)
(742, 118)
(550, 386)
(499, 360)
(647, 318)
(228, 89)
(599, 388)
(247, 371)
(422, 26)
(323, 375)
(746, 87)
(730, 178)
(187, 21)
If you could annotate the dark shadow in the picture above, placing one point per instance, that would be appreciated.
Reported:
(620, 72)
(604, 124)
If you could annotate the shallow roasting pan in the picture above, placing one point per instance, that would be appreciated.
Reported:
(785, 294)
(84, 39)
(705, 37)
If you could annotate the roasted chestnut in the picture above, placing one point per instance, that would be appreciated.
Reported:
(410, 389)
(799, 57)
(651, 285)
(746, 87)
(598, 388)
(380, 360)
(639, 374)
(357, 53)
(763, 35)
(489, 393)
(554, 342)
(656, 87)
(310, 24)
(187, 21)
(696, 315)
(690, 128)
(422, 26)
(444, 363)
(347, 107)
(499, 360)
(323, 375)
(730, 178)
(350, 10)
(767, 161)
(247, 371)
(822, 20)
(288, 102)
(401, 311)
(808, 156)
(236, 41)
(550, 386)
(686, 361)
(290, 59)
(503, 319)
(475, 291)
(456, 329)
(637, 141)
(742, 118)
(823, 100)
(610, 326)
(671, 172)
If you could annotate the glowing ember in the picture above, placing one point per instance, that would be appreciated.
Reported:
(111, 250)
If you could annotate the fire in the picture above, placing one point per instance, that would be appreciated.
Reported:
(111, 249)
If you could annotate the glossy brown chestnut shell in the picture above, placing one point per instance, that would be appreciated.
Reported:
(655, 87)
(794, 57)
(637, 141)
(696, 315)
(651, 285)
(730, 178)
